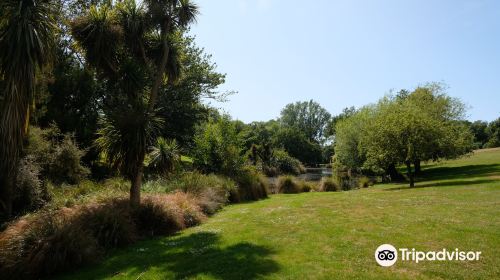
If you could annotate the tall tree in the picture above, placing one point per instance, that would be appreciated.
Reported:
(479, 129)
(292, 140)
(27, 30)
(424, 125)
(308, 117)
(181, 103)
(346, 113)
(493, 131)
(133, 47)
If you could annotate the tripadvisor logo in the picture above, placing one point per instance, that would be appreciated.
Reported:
(387, 255)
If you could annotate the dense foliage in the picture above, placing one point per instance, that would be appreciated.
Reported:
(408, 128)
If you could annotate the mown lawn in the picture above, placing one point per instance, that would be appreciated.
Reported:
(334, 235)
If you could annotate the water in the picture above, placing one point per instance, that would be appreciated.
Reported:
(315, 174)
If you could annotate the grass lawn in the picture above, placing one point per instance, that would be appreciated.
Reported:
(334, 235)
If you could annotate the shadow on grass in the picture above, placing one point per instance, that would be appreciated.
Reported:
(460, 176)
(445, 184)
(186, 257)
(459, 172)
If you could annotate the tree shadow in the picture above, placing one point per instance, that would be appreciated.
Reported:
(459, 172)
(445, 184)
(186, 257)
(456, 176)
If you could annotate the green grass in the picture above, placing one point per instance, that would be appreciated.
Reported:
(334, 235)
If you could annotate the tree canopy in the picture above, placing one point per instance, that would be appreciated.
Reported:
(424, 125)
(308, 117)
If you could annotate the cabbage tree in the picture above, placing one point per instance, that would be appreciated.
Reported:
(133, 48)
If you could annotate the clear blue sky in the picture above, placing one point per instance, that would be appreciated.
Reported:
(351, 52)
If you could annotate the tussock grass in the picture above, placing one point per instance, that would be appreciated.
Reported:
(50, 241)
(328, 184)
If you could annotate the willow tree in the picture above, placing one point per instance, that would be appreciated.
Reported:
(27, 30)
(133, 48)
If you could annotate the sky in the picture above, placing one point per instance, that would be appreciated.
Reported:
(350, 53)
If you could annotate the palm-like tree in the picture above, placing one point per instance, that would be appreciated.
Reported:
(165, 155)
(133, 46)
(27, 30)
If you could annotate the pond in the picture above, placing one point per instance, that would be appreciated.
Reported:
(316, 173)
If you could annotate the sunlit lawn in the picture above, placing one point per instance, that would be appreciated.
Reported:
(334, 235)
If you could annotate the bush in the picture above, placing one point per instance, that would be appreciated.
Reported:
(196, 183)
(289, 184)
(57, 155)
(40, 145)
(307, 186)
(302, 169)
(87, 192)
(329, 184)
(364, 182)
(251, 186)
(44, 244)
(285, 163)
(30, 193)
(188, 205)
(110, 222)
(217, 147)
(211, 201)
(270, 171)
(162, 214)
(157, 216)
(344, 181)
(212, 191)
(165, 157)
(50, 241)
(66, 165)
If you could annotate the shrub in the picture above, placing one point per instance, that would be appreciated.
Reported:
(212, 191)
(289, 184)
(57, 155)
(50, 241)
(307, 186)
(251, 186)
(165, 156)
(264, 186)
(40, 145)
(157, 216)
(66, 165)
(364, 182)
(30, 193)
(45, 244)
(302, 169)
(344, 181)
(211, 201)
(328, 184)
(86, 192)
(217, 147)
(188, 205)
(285, 163)
(110, 222)
(270, 171)
(195, 183)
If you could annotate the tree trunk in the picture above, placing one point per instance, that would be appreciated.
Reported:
(135, 188)
(160, 71)
(6, 187)
(418, 169)
(394, 174)
(13, 124)
(410, 174)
